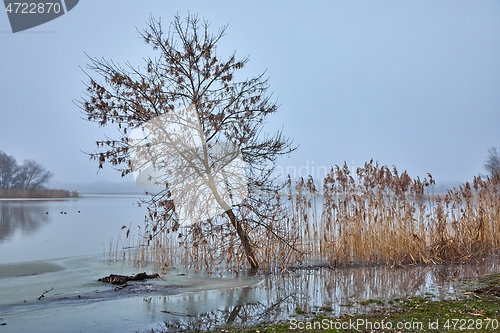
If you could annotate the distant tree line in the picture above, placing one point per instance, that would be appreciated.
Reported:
(30, 175)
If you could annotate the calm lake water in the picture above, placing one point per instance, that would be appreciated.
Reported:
(64, 254)
(36, 229)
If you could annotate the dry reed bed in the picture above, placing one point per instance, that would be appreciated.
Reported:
(36, 193)
(376, 216)
(382, 217)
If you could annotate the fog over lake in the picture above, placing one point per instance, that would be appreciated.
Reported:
(411, 84)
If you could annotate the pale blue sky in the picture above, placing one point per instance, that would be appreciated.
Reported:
(414, 84)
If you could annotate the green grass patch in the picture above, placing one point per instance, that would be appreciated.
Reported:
(372, 302)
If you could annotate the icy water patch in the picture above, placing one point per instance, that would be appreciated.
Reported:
(32, 268)
(73, 299)
(185, 300)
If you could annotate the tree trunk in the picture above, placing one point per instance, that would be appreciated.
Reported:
(247, 247)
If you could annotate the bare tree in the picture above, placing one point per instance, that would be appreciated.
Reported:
(32, 175)
(193, 130)
(8, 170)
(28, 176)
(492, 164)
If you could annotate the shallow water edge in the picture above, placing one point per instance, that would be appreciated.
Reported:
(182, 298)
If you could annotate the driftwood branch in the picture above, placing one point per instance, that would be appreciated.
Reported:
(43, 294)
(122, 279)
(177, 313)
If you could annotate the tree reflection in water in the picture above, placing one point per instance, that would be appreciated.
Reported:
(23, 215)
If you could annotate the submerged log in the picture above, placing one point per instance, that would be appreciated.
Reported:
(122, 279)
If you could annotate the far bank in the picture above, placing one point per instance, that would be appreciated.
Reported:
(38, 193)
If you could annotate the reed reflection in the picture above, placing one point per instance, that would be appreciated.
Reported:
(336, 291)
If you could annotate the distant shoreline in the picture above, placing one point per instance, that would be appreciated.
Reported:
(38, 194)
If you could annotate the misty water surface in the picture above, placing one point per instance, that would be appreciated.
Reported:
(49, 229)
